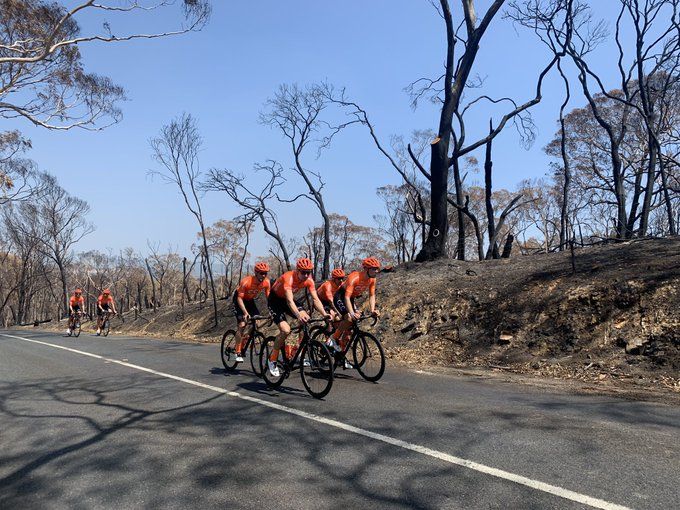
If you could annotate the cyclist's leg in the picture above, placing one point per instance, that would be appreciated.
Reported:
(279, 310)
(284, 331)
(241, 324)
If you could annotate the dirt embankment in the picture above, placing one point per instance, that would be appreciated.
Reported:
(609, 317)
(612, 314)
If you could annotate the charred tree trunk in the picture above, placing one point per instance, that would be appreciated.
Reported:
(460, 200)
(492, 251)
(507, 249)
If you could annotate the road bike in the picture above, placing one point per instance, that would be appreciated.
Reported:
(74, 329)
(106, 322)
(251, 343)
(368, 355)
(311, 357)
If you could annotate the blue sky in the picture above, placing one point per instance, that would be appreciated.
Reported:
(223, 76)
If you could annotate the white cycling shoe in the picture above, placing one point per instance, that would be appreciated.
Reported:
(238, 358)
(273, 369)
(332, 344)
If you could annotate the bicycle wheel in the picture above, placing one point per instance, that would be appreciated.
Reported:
(267, 346)
(369, 357)
(255, 348)
(106, 327)
(316, 369)
(76, 328)
(228, 349)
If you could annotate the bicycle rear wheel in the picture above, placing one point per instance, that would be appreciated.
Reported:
(76, 328)
(267, 347)
(316, 369)
(255, 348)
(106, 327)
(369, 357)
(228, 349)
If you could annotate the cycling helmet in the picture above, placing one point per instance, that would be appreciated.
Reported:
(106, 291)
(304, 265)
(338, 273)
(262, 267)
(371, 262)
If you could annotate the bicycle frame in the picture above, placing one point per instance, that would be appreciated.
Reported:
(252, 328)
(292, 364)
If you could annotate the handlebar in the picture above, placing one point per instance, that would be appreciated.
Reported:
(366, 317)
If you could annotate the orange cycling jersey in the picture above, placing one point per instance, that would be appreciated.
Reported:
(77, 301)
(250, 287)
(290, 281)
(326, 290)
(101, 300)
(356, 284)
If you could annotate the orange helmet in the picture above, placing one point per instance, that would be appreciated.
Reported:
(338, 273)
(304, 264)
(106, 291)
(79, 291)
(262, 267)
(371, 262)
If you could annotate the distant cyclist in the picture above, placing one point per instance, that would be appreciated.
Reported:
(326, 291)
(282, 303)
(75, 305)
(357, 283)
(105, 303)
(244, 301)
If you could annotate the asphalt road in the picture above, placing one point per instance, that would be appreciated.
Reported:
(144, 423)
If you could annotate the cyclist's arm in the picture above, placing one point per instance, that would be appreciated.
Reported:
(242, 305)
(348, 304)
(317, 302)
(371, 302)
(290, 300)
(113, 305)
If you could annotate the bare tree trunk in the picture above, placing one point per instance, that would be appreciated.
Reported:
(153, 285)
(460, 200)
(507, 249)
(492, 251)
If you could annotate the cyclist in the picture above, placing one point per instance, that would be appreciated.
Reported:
(356, 284)
(244, 301)
(282, 302)
(105, 303)
(76, 305)
(325, 291)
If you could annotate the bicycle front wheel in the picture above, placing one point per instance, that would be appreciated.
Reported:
(255, 349)
(76, 329)
(228, 349)
(271, 380)
(106, 327)
(316, 369)
(369, 357)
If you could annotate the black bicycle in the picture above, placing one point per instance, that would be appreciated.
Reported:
(368, 356)
(311, 357)
(251, 342)
(106, 322)
(74, 330)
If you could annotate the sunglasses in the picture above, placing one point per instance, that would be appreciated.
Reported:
(305, 273)
(260, 273)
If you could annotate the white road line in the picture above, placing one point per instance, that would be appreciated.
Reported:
(445, 457)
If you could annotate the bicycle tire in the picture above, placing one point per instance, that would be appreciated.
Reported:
(106, 327)
(254, 350)
(369, 356)
(269, 379)
(228, 349)
(317, 376)
(76, 329)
